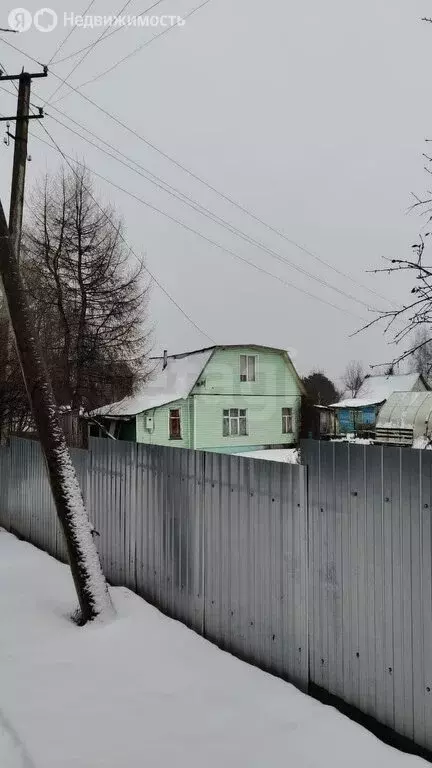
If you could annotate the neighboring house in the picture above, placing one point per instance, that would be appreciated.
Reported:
(221, 398)
(359, 415)
(406, 419)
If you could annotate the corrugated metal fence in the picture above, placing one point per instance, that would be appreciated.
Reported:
(327, 584)
(370, 586)
(217, 541)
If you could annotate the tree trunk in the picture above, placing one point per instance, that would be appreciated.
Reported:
(91, 587)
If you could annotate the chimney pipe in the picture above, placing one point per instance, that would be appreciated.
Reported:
(165, 359)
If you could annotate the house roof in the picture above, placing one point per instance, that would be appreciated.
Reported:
(165, 386)
(175, 382)
(377, 389)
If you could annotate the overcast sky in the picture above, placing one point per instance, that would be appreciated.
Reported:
(311, 115)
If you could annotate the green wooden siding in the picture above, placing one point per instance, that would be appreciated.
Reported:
(160, 433)
(218, 388)
(222, 374)
(264, 421)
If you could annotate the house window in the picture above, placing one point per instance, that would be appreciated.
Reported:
(234, 422)
(175, 424)
(247, 367)
(286, 421)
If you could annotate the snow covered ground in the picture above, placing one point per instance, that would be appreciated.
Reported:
(287, 455)
(145, 691)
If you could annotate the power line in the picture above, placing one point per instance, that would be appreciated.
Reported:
(142, 46)
(209, 186)
(84, 56)
(204, 237)
(196, 206)
(65, 39)
(226, 197)
(67, 158)
(113, 32)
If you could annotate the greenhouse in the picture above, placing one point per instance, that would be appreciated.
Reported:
(405, 419)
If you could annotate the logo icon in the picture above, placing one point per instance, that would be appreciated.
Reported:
(45, 20)
(20, 19)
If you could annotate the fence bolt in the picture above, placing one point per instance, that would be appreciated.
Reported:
(299, 650)
(357, 655)
(273, 637)
(354, 493)
(428, 688)
(387, 498)
(251, 623)
(272, 499)
(426, 506)
(390, 670)
(322, 661)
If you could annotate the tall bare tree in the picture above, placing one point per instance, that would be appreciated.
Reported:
(353, 377)
(411, 323)
(88, 297)
(91, 587)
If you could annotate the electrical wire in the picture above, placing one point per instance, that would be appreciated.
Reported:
(113, 32)
(205, 183)
(130, 249)
(84, 56)
(66, 38)
(196, 206)
(142, 46)
(202, 236)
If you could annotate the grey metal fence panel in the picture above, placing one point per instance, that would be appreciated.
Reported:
(26, 505)
(255, 554)
(4, 486)
(320, 573)
(370, 580)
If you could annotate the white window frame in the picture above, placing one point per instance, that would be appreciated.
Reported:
(179, 409)
(231, 417)
(247, 379)
(287, 420)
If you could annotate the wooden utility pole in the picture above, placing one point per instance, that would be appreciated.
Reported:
(16, 204)
(21, 119)
(19, 162)
(90, 584)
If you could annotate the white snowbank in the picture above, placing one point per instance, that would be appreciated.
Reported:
(288, 455)
(422, 443)
(145, 691)
(349, 439)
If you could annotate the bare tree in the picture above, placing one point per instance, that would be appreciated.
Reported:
(91, 587)
(89, 299)
(353, 377)
(412, 322)
(422, 357)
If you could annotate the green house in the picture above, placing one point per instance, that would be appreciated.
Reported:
(222, 398)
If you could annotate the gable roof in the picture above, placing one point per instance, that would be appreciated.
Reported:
(377, 389)
(175, 382)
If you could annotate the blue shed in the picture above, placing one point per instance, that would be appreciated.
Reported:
(358, 415)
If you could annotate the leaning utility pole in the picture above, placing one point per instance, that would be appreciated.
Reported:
(20, 138)
(91, 587)
(21, 119)
(19, 162)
